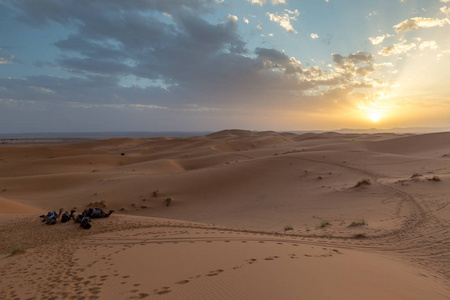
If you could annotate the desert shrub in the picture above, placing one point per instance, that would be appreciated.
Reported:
(288, 227)
(360, 236)
(156, 193)
(17, 249)
(168, 201)
(324, 224)
(359, 222)
(416, 175)
(101, 204)
(363, 182)
(435, 178)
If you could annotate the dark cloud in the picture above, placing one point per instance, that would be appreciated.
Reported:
(360, 63)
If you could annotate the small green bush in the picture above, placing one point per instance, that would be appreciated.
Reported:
(17, 249)
(168, 201)
(324, 224)
(435, 178)
(360, 236)
(360, 222)
(288, 227)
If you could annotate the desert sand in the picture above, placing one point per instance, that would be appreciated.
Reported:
(252, 215)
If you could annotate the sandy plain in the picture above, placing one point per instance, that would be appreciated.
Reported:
(253, 215)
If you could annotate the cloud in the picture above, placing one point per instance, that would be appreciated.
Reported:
(442, 53)
(398, 48)
(262, 2)
(232, 18)
(385, 64)
(419, 22)
(445, 10)
(314, 36)
(246, 21)
(379, 39)
(259, 2)
(186, 63)
(5, 58)
(445, 1)
(428, 45)
(295, 12)
(373, 13)
(285, 19)
(4, 61)
(359, 63)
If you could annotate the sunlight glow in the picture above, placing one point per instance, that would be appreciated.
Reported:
(375, 107)
(374, 116)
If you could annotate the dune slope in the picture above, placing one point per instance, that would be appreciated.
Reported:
(261, 203)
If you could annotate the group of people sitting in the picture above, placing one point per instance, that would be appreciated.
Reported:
(84, 219)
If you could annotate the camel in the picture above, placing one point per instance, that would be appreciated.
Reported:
(83, 220)
(66, 217)
(97, 213)
(51, 217)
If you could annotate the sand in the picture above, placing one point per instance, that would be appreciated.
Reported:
(252, 215)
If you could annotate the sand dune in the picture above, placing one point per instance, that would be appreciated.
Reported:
(13, 207)
(432, 144)
(253, 215)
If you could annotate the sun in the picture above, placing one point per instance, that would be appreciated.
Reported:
(374, 116)
(372, 111)
(375, 107)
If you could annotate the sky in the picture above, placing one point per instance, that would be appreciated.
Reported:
(207, 65)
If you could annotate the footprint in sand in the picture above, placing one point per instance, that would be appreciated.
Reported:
(94, 290)
(271, 257)
(215, 273)
(163, 290)
(182, 281)
(140, 296)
